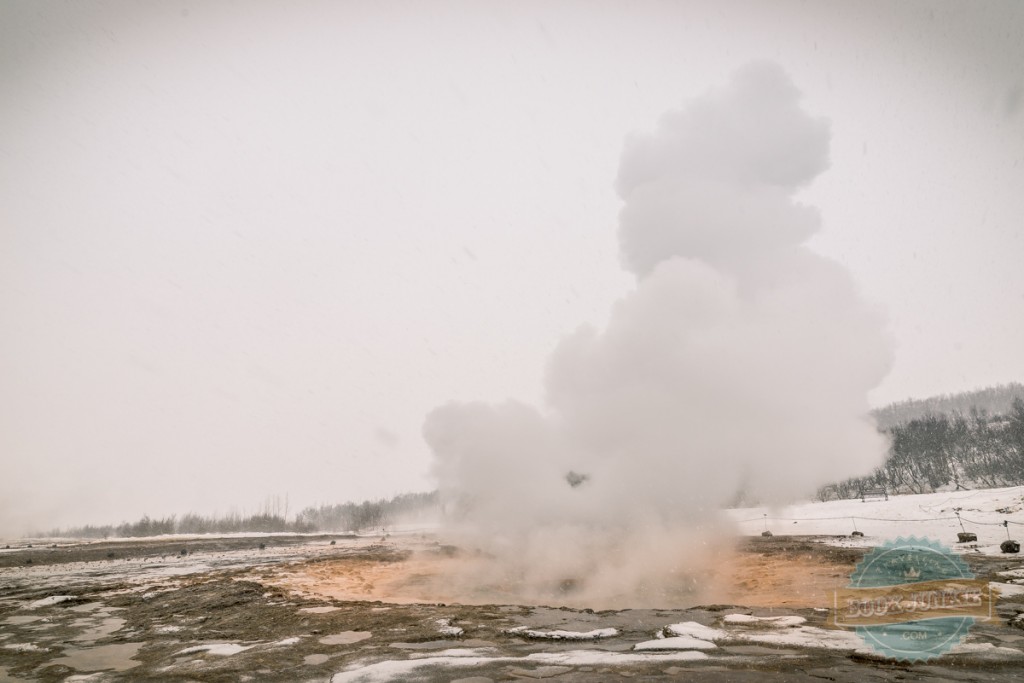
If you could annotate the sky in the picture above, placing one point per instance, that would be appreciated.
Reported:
(245, 248)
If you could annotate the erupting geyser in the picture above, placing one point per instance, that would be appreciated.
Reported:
(740, 362)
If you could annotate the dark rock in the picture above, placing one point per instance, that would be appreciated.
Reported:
(766, 534)
(966, 537)
(1010, 547)
(857, 534)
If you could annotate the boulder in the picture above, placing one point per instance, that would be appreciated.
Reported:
(966, 537)
(1010, 547)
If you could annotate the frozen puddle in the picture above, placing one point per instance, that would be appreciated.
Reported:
(345, 638)
(116, 657)
(25, 619)
(96, 631)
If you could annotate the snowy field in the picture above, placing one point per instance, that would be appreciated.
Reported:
(930, 515)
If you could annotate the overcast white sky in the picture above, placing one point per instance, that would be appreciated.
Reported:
(246, 247)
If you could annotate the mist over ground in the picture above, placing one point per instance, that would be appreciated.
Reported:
(739, 365)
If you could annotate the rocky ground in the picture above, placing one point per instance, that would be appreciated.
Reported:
(228, 610)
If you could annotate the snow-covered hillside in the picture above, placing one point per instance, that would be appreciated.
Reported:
(931, 515)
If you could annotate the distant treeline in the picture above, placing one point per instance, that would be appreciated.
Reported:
(347, 517)
(956, 449)
(997, 400)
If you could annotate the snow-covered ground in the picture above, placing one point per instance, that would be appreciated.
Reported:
(930, 515)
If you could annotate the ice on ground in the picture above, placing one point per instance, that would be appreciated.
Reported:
(676, 643)
(445, 628)
(221, 649)
(695, 630)
(771, 622)
(563, 635)
(47, 602)
(392, 670)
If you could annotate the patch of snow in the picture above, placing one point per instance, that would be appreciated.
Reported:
(771, 622)
(695, 630)
(563, 635)
(601, 657)
(168, 629)
(461, 652)
(805, 636)
(287, 641)
(1007, 590)
(676, 643)
(48, 602)
(220, 649)
(396, 670)
(445, 628)
(25, 647)
(985, 648)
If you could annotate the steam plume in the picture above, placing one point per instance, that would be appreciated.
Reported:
(740, 362)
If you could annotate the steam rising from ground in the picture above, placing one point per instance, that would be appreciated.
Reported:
(739, 364)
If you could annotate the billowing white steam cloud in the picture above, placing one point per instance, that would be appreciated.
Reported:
(740, 363)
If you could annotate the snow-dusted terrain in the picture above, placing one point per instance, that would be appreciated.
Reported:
(931, 515)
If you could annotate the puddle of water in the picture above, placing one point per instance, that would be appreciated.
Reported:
(310, 660)
(21, 620)
(99, 630)
(345, 638)
(319, 610)
(116, 657)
